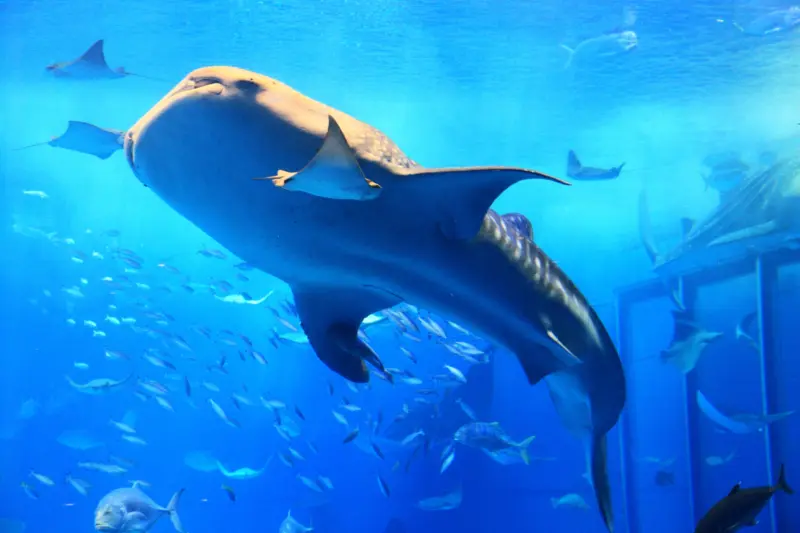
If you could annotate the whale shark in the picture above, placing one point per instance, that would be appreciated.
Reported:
(589, 399)
(334, 208)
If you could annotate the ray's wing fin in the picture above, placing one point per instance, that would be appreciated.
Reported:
(333, 172)
(95, 55)
(89, 139)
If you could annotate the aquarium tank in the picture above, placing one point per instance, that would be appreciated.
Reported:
(391, 267)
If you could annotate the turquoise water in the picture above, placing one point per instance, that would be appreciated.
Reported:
(467, 84)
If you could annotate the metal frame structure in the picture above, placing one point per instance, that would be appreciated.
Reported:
(764, 265)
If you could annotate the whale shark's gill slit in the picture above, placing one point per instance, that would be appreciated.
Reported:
(387, 291)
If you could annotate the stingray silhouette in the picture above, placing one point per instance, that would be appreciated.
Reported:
(86, 139)
(91, 65)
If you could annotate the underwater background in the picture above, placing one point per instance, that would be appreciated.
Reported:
(468, 83)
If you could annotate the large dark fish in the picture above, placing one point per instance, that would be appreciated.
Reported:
(740, 508)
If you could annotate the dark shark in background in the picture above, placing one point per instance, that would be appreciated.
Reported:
(740, 508)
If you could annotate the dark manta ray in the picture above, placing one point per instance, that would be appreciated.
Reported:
(354, 226)
(576, 170)
(87, 139)
(91, 65)
(761, 206)
(589, 399)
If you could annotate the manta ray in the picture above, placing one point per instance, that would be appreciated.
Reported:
(689, 341)
(91, 65)
(762, 208)
(85, 138)
(577, 171)
(741, 423)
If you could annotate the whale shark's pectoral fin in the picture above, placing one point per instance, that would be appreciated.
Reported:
(466, 194)
(332, 173)
(538, 362)
(330, 318)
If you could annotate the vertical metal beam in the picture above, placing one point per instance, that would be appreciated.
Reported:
(622, 311)
(765, 279)
(687, 294)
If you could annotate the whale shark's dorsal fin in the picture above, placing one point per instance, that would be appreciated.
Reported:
(466, 194)
(87, 139)
(332, 173)
(520, 223)
(330, 317)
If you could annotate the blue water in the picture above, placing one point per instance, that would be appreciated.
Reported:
(453, 84)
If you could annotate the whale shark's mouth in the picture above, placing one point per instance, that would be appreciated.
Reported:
(128, 149)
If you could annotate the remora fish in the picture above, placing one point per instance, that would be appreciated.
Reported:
(130, 510)
(740, 508)
(577, 171)
(689, 341)
(589, 399)
(343, 189)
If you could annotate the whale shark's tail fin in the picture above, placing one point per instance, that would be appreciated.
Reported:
(87, 139)
(600, 482)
